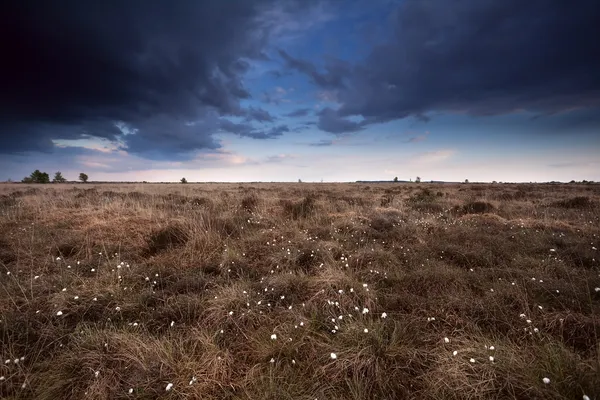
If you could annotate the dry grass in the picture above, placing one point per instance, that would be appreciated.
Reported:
(231, 291)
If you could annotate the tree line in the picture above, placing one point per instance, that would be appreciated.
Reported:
(38, 176)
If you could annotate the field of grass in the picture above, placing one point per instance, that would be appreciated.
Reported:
(299, 291)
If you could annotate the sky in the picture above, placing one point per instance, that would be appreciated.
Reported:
(317, 90)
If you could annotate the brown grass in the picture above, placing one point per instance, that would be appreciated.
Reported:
(186, 284)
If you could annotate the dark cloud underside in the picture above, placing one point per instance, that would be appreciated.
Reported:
(481, 57)
(72, 67)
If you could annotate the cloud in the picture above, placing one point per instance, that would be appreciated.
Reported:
(279, 158)
(301, 112)
(72, 70)
(330, 121)
(433, 157)
(476, 57)
(322, 143)
(418, 138)
(335, 70)
(258, 114)
(247, 130)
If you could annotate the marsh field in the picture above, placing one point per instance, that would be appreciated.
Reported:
(300, 291)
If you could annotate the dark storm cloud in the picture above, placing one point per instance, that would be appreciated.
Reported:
(480, 57)
(331, 121)
(247, 130)
(301, 112)
(258, 114)
(72, 68)
(333, 77)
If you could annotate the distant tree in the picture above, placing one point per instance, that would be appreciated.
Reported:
(466, 181)
(418, 180)
(37, 177)
(58, 178)
(83, 177)
(299, 180)
(183, 180)
(396, 179)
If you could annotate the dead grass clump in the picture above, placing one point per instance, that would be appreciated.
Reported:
(578, 202)
(301, 209)
(7, 254)
(477, 207)
(7, 201)
(68, 249)
(425, 200)
(87, 194)
(250, 202)
(202, 202)
(167, 238)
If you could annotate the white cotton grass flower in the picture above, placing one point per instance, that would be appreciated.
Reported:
(446, 340)
(597, 289)
(546, 380)
(365, 310)
(130, 391)
(274, 336)
(472, 360)
(492, 348)
(59, 313)
(117, 308)
(2, 378)
(193, 380)
(366, 330)
(585, 397)
(169, 387)
(454, 353)
(36, 277)
(272, 360)
(172, 324)
(96, 374)
(384, 315)
(491, 358)
(333, 356)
